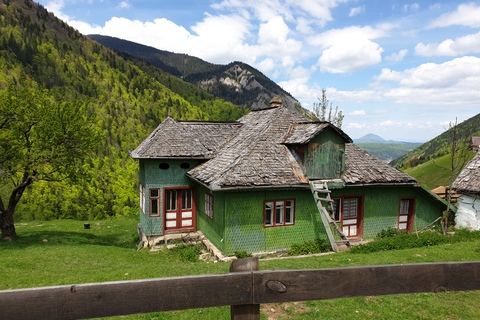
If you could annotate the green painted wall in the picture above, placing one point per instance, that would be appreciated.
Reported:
(152, 177)
(214, 228)
(244, 221)
(381, 206)
(244, 216)
(325, 156)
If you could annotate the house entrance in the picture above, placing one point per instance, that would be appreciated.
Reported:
(406, 214)
(180, 210)
(352, 217)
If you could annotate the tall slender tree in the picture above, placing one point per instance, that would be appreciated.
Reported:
(459, 157)
(323, 111)
(40, 139)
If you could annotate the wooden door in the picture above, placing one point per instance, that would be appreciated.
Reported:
(180, 210)
(352, 217)
(406, 214)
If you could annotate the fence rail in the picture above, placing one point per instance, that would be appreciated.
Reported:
(92, 300)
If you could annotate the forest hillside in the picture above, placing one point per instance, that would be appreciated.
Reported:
(126, 101)
(440, 145)
(236, 82)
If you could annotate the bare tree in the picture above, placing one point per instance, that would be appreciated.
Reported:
(323, 111)
(459, 157)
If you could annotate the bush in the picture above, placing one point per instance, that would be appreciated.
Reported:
(242, 254)
(187, 253)
(389, 232)
(403, 241)
(309, 247)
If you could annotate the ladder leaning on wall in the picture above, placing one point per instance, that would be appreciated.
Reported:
(327, 216)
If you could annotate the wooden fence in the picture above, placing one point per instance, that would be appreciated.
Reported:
(243, 288)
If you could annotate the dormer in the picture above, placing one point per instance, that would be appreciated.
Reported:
(319, 148)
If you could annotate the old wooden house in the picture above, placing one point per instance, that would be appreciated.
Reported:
(269, 180)
(467, 185)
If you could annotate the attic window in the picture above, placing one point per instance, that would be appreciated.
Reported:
(185, 165)
(164, 166)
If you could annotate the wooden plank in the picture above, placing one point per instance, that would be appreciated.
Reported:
(303, 285)
(245, 311)
(126, 297)
(238, 288)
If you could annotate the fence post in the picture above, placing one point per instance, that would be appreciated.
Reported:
(245, 311)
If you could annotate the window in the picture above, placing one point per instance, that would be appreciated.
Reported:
(142, 198)
(209, 205)
(278, 212)
(350, 208)
(337, 208)
(154, 202)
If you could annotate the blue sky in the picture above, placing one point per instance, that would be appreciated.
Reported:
(400, 69)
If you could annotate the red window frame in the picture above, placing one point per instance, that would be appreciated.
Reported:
(360, 207)
(209, 205)
(193, 191)
(152, 200)
(275, 219)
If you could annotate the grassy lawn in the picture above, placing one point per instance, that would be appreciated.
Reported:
(62, 252)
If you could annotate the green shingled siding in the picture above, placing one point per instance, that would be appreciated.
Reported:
(244, 221)
(381, 207)
(152, 177)
(214, 228)
(325, 156)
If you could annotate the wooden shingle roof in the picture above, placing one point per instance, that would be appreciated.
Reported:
(468, 181)
(255, 156)
(174, 139)
(361, 167)
(254, 151)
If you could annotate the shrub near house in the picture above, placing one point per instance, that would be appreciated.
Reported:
(246, 184)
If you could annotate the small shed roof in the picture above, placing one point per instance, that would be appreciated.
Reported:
(301, 133)
(175, 139)
(468, 181)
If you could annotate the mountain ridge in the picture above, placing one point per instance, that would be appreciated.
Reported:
(236, 82)
(373, 138)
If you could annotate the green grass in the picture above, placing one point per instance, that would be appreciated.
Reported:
(432, 176)
(108, 252)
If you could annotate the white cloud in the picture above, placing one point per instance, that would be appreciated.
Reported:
(467, 14)
(354, 125)
(357, 113)
(449, 47)
(411, 7)
(454, 82)
(317, 11)
(397, 56)
(350, 49)
(124, 5)
(355, 11)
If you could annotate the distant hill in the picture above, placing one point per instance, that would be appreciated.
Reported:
(385, 150)
(236, 82)
(438, 146)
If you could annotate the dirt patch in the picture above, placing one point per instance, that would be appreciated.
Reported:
(275, 311)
